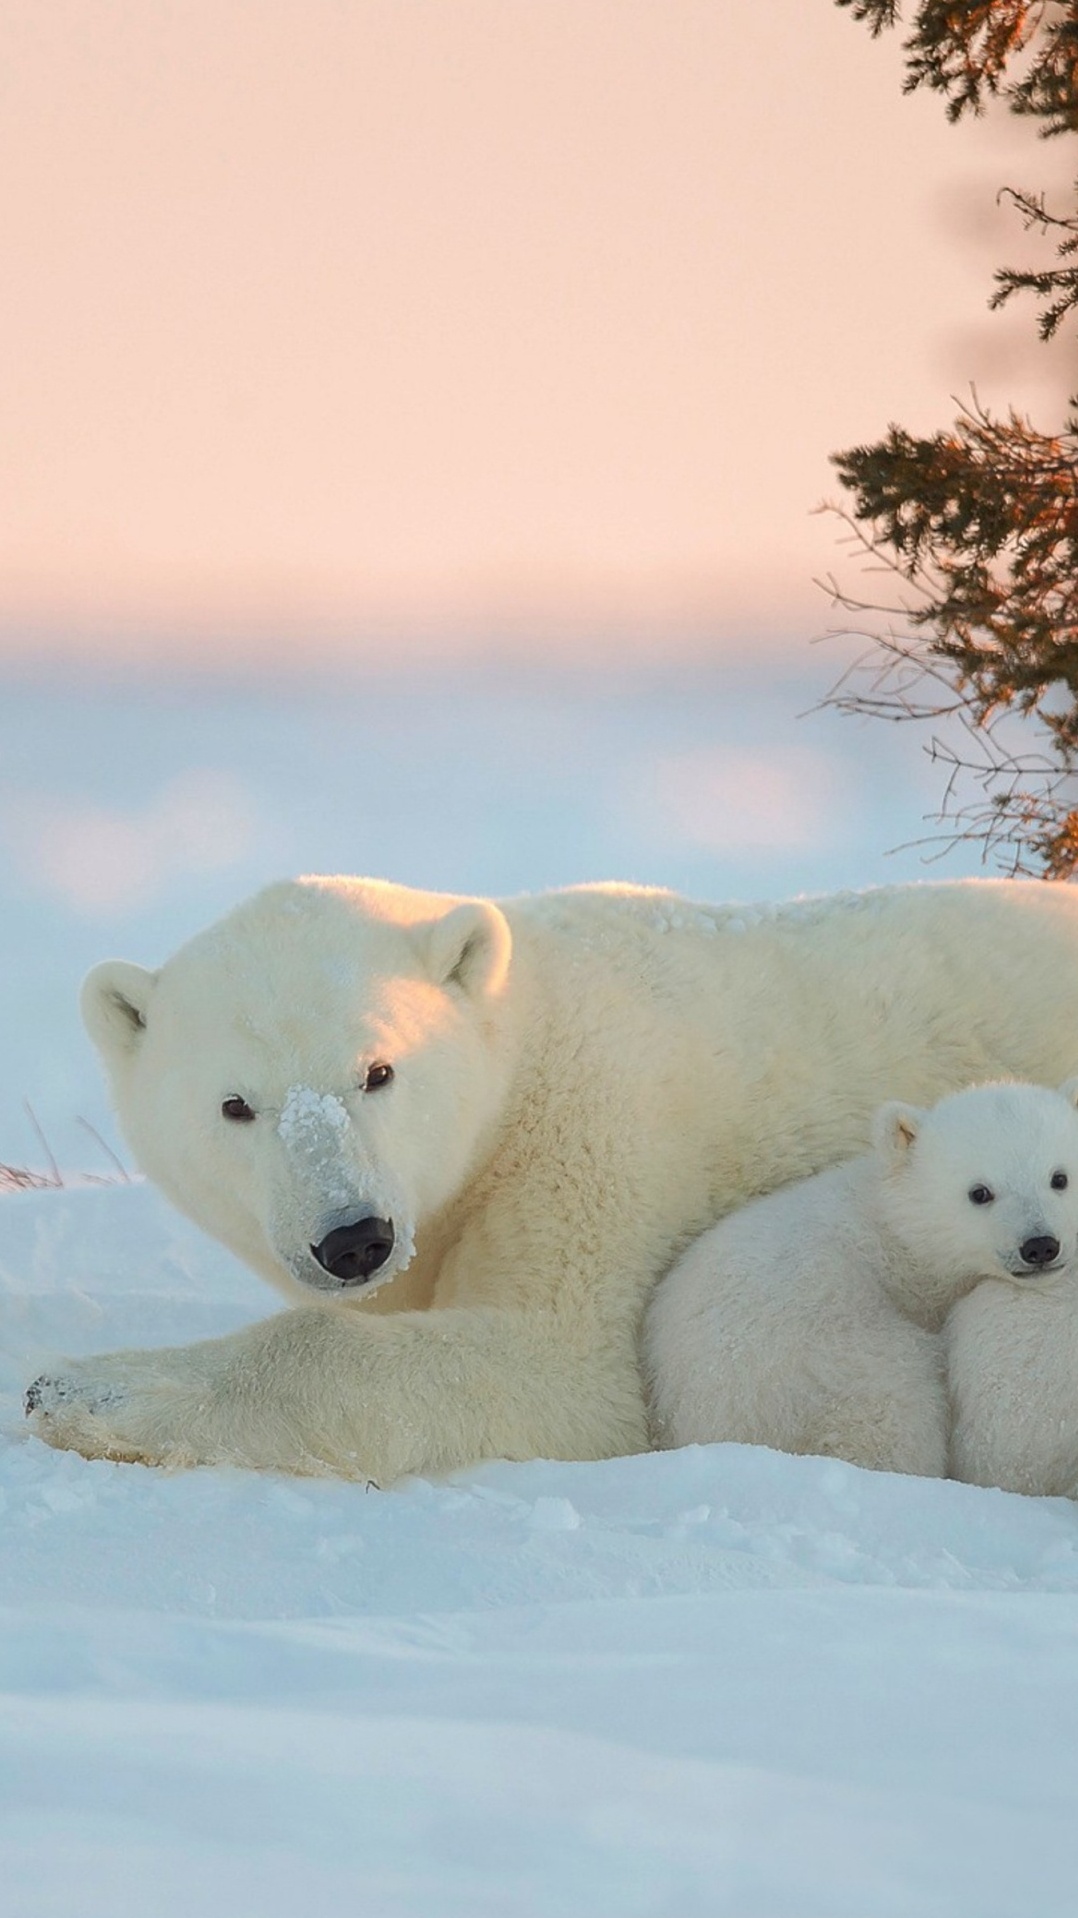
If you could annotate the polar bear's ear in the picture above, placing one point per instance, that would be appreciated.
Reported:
(471, 948)
(1069, 1090)
(895, 1128)
(114, 1001)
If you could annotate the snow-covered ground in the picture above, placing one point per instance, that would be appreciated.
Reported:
(718, 1682)
(710, 1682)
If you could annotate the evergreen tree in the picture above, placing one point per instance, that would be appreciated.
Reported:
(979, 523)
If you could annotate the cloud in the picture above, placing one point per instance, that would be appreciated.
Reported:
(100, 861)
(734, 801)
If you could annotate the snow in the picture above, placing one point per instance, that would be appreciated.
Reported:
(714, 1681)
(717, 1683)
(306, 1112)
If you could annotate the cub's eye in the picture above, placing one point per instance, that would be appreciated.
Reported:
(378, 1075)
(1059, 1182)
(236, 1108)
(980, 1195)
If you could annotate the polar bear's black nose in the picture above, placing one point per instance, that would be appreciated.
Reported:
(1040, 1251)
(350, 1253)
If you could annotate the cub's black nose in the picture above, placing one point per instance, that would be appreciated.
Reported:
(1039, 1251)
(351, 1253)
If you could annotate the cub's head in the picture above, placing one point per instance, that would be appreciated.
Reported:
(315, 1077)
(985, 1185)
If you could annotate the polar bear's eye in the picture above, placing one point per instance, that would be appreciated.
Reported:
(378, 1075)
(1059, 1182)
(236, 1108)
(980, 1195)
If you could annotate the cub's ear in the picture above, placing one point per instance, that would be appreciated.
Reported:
(894, 1129)
(114, 1001)
(471, 948)
(1069, 1090)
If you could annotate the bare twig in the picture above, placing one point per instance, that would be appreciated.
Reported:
(17, 1178)
(1021, 800)
(106, 1149)
(57, 1176)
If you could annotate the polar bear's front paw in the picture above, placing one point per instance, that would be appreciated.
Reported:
(50, 1396)
(104, 1411)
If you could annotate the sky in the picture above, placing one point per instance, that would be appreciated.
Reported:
(462, 325)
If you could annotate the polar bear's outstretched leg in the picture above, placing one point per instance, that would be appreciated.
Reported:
(335, 1390)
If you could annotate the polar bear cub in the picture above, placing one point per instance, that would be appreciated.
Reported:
(809, 1319)
(1012, 1353)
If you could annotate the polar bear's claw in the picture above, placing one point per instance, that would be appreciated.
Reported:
(46, 1395)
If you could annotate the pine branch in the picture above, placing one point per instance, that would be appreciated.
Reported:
(979, 523)
(965, 49)
(879, 14)
(1058, 286)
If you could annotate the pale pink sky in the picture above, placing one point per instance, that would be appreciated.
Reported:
(323, 317)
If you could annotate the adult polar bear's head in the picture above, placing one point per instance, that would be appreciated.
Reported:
(316, 1075)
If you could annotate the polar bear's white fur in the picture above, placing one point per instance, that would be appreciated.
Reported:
(1012, 1344)
(582, 1082)
(807, 1320)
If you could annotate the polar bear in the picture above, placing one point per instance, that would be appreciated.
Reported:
(807, 1320)
(547, 1099)
(1012, 1346)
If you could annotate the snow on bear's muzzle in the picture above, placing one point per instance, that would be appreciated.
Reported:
(353, 1223)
